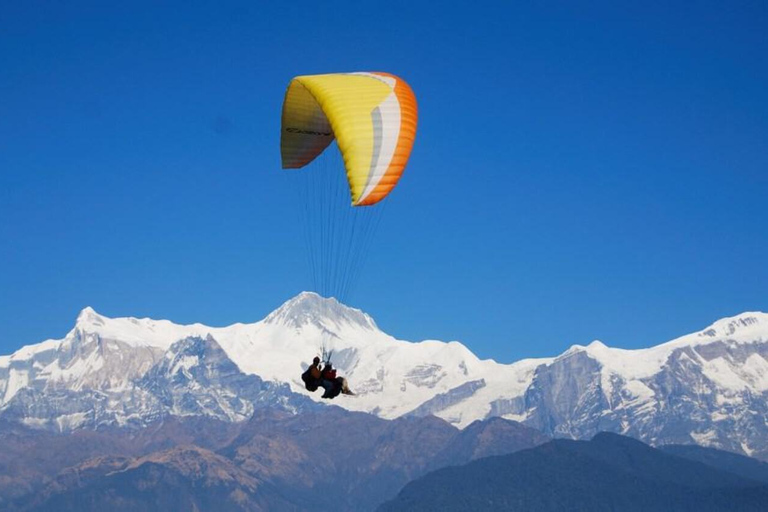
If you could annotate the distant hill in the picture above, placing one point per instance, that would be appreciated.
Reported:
(731, 462)
(608, 473)
(330, 459)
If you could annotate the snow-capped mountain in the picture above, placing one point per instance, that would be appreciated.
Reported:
(142, 357)
(129, 372)
(709, 387)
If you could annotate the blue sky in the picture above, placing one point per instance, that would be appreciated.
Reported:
(580, 172)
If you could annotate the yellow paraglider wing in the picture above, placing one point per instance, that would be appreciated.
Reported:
(372, 116)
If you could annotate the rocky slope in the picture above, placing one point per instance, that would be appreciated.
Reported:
(328, 459)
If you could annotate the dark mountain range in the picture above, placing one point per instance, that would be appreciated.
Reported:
(182, 478)
(277, 460)
(608, 473)
(732, 462)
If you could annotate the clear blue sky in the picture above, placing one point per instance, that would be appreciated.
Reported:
(580, 172)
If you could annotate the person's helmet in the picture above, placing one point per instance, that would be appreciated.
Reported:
(316, 360)
(329, 366)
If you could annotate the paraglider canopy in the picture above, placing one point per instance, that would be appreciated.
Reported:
(372, 116)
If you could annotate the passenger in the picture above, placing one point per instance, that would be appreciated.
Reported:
(315, 371)
(329, 381)
(312, 377)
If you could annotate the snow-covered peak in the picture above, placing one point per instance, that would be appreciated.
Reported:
(744, 326)
(309, 308)
(136, 331)
(751, 327)
(595, 346)
(747, 327)
(88, 317)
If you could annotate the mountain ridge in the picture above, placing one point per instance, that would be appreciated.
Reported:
(709, 387)
(609, 472)
(275, 460)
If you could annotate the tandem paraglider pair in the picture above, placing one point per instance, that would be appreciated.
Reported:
(316, 376)
(372, 118)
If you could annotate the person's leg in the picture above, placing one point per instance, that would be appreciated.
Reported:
(336, 387)
(328, 386)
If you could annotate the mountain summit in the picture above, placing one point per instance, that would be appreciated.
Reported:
(309, 308)
(709, 387)
(89, 317)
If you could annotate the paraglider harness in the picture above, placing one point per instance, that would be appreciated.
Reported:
(311, 383)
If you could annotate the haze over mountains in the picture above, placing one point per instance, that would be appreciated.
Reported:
(708, 388)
